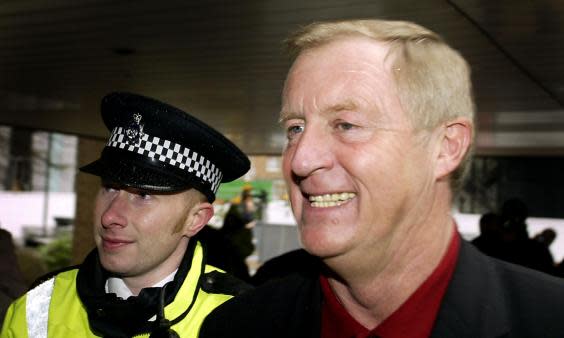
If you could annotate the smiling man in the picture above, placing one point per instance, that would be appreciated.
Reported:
(159, 171)
(379, 123)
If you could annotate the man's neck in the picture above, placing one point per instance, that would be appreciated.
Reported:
(373, 287)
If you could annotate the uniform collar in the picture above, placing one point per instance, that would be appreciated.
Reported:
(117, 285)
(109, 315)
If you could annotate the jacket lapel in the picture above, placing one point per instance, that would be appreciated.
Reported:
(474, 304)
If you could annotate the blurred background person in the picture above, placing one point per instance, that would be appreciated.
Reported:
(517, 247)
(238, 228)
(546, 237)
(489, 240)
(12, 283)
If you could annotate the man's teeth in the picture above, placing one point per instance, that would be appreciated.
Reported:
(330, 200)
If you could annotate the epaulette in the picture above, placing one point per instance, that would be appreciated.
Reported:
(223, 283)
(50, 275)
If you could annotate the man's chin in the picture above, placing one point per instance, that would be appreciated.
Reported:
(114, 266)
(322, 248)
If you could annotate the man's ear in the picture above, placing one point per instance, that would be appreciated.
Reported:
(456, 138)
(199, 216)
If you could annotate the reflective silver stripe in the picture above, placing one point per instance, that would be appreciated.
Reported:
(37, 309)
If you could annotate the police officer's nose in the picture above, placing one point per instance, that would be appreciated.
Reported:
(114, 214)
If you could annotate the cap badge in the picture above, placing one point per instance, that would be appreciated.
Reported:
(134, 131)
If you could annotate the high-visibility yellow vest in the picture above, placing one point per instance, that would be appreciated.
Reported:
(53, 308)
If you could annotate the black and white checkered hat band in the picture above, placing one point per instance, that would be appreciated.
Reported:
(170, 153)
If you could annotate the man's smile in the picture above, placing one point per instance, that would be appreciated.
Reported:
(330, 200)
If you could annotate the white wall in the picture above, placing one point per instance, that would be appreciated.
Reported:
(19, 209)
(279, 212)
(468, 225)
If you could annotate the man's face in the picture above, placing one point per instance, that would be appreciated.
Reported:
(141, 234)
(357, 173)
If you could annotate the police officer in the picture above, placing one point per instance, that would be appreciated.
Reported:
(160, 171)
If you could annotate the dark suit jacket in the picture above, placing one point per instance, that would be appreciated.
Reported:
(485, 298)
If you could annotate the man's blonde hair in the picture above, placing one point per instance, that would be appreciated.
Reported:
(432, 79)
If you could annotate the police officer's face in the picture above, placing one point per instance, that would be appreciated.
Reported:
(358, 174)
(139, 234)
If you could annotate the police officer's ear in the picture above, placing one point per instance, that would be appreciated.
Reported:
(198, 216)
(454, 143)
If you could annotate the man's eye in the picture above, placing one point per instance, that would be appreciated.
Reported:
(294, 130)
(345, 126)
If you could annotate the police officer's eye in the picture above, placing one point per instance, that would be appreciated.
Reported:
(109, 188)
(144, 195)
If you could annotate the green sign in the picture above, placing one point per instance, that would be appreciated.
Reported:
(231, 190)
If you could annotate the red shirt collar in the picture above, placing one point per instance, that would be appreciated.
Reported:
(414, 318)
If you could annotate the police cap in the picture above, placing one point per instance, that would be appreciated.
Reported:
(155, 146)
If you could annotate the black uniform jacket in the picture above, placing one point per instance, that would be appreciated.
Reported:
(485, 298)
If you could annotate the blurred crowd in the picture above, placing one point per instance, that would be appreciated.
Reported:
(504, 235)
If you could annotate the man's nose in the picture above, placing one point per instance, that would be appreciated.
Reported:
(114, 215)
(312, 152)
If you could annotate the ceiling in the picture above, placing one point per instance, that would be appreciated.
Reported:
(223, 62)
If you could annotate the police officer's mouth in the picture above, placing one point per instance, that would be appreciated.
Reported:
(114, 243)
(330, 200)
